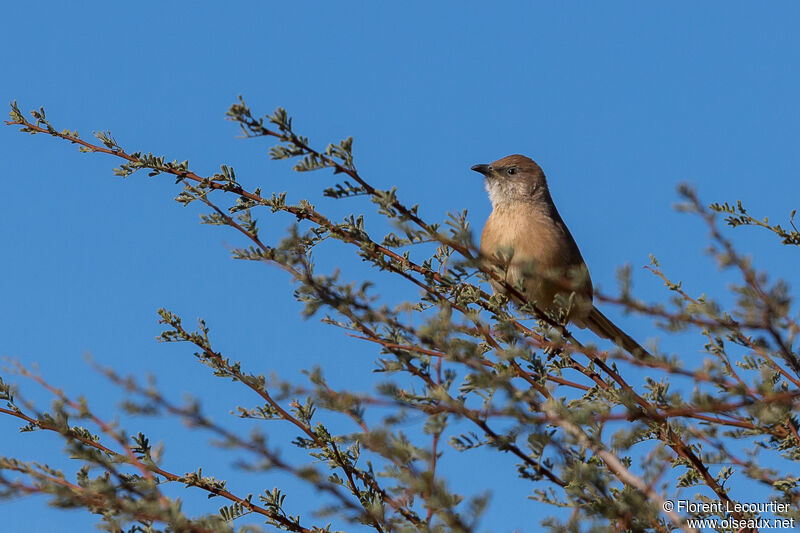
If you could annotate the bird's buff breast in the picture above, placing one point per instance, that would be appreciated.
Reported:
(534, 248)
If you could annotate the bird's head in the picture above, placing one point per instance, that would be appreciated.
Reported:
(513, 178)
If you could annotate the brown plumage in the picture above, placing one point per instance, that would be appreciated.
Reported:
(528, 238)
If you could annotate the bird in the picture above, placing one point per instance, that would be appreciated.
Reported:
(527, 238)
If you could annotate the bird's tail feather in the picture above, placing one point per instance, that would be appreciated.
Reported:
(602, 326)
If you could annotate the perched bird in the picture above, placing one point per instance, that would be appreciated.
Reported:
(526, 237)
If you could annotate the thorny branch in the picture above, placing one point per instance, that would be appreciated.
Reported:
(492, 355)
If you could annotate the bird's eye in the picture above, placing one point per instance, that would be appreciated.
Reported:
(512, 171)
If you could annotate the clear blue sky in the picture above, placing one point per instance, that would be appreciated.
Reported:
(618, 103)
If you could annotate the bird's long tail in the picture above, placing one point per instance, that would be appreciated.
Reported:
(602, 326)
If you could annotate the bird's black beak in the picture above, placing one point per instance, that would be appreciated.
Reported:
(483, 169)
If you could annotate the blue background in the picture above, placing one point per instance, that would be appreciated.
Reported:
(618, 103)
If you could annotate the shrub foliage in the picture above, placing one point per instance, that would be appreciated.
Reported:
(586, 432)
